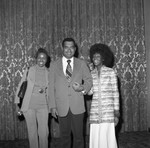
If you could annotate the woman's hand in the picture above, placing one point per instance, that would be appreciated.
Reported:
(116, 120)
(17, 108)
(90, 92)
(18, 111)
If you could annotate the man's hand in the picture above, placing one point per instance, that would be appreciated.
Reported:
(54, 112)
(77, 87)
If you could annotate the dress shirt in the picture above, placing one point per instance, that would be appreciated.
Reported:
(65, 63)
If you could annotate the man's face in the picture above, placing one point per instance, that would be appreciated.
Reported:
(69, 49)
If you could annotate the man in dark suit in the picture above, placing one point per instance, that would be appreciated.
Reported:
(66, 93)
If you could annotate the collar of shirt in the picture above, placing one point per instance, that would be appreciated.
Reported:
(64, 62)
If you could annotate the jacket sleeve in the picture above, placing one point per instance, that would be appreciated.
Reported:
(87, 78)
(47, 90)
(115, 94)
(18, 87)
(51, 86)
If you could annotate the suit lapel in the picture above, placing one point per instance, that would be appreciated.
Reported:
(32, 72)
(60, 68)
(75, 68)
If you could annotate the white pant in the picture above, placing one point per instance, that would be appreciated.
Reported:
(102, 135)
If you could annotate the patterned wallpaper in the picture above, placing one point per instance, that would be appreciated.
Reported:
(29, 24)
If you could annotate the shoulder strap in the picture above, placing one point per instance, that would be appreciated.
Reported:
(27, 73)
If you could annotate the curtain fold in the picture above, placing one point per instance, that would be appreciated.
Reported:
(26, 25)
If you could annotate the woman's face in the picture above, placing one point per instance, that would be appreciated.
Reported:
(41, 59)
(97, 59)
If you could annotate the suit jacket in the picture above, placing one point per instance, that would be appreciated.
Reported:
(62, 95)
(30, 85)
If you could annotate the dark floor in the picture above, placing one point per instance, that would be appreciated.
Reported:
(134, 140)
(125, 140)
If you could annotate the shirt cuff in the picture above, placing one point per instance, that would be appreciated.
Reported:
(84, 92)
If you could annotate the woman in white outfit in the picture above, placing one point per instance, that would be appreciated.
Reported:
(104, 112)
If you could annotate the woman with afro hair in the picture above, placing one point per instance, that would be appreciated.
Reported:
(104, 112)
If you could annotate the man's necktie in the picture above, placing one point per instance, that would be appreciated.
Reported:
(68, 71)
